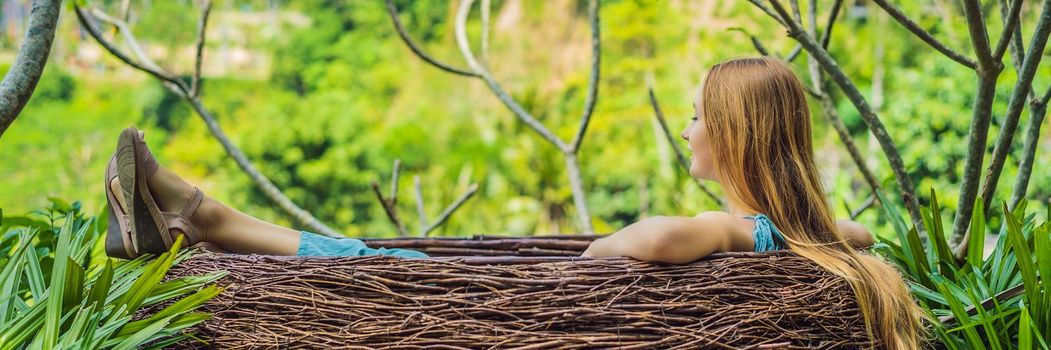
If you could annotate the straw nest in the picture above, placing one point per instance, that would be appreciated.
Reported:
(524, 293)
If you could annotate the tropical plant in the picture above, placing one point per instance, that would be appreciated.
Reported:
(992, 301)
(55, 293)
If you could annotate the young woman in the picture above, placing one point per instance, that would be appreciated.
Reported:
(751, 134)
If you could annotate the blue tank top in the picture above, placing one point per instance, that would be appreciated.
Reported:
(765, 234)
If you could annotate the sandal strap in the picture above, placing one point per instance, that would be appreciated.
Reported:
(180, 221)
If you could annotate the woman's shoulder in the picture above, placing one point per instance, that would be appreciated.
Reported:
(737, 230)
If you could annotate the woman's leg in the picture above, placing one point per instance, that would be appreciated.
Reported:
(220, 224)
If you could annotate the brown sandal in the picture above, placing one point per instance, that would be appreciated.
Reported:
(118, 232)
(153, 230)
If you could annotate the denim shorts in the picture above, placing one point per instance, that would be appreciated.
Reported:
(312, 244)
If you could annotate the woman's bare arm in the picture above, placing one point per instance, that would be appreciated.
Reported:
(674, 240)
(855, 233)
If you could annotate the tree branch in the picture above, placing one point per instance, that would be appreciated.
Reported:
(972, 9)
(1037, 114)
(444, 216)
(1021, 91)
(419, 203)
(685, 164)
(179, 88)
(592, 97)
(899, 16)
(487, 6)
(988, 71)
(394, 181)
(868, 115)
(1010, 23)
(388, 208)
(202, 27)
(869, 202)
(465, 48)
(22, 77)
(828, 106)
(393, 12)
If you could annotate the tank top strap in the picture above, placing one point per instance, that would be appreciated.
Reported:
(765, 234)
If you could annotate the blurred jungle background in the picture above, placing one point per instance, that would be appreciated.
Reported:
(323, 96)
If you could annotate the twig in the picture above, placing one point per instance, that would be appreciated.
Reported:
(685, 164)
(869, 202)
(388, 208)
(593, 79)
(487, 7)
(444, 216)
(1010, 22)
(419, 203)
(998, 298)
(202, 27)
(868, 115)
(182, 90)
(913, 27)
(393, 12)
(477, 68)
(394, 181)
(828, 106)
(569, 150)
(22, 76)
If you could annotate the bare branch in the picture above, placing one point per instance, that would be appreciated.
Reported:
(393, 12)
(179, 88)
(202, 27)
(388, 208)
(685, 164)
(142, 63)
(592, 98)
(487, 6)
(761, 6)
(1010, 22)
(828, 106)
(972, 9)
(758, 45)
(394, 181)
(451, 209)
(913, 27)
(794, 53)
(988, 71)
(576, 185)
(868, 115)
(465, 48)
(826, 36)
(22, 77)
(419, 204)
(1037, 114)
(1017, 102)
(869, 203)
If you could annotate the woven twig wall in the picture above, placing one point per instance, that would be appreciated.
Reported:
(767, 300)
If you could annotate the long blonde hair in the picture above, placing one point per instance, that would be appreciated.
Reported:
(758, 123)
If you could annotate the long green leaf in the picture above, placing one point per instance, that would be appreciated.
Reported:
(958, 310)
(9, 278)
(976, 243)
(179, 307)
(1024, 257)
(142, 336)
(34, 275)
(57, 287)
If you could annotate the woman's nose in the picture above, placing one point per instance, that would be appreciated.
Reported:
(685, 134)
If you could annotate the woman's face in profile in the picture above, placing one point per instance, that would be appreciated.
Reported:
(696, 136)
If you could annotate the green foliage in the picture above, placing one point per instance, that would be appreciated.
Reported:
(999, 301)
(58, 292)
